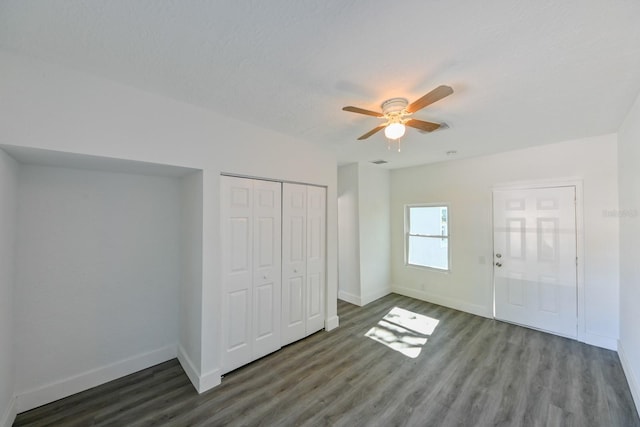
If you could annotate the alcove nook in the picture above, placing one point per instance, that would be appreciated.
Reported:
(108, 253)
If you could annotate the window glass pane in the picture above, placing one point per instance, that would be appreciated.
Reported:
(429, 252)
(428, 220)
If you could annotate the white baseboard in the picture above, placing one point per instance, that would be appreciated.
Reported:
(9, 415)
(632, 379)
(350, 298)
(361, 301)
(66, 387)
(447, 302)
(588, 337)
(201, 383)
(210, 380)
(189, 368)
(331, 323)
(600, 341)
(370, 297)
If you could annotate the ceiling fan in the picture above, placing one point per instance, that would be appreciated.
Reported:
(397, 114)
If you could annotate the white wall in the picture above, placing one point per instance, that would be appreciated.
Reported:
(375, 231)
(466, 186)
(8, 199)
(348, 235)
(97, 278)
(190, 348)
(364, 233)
(629, 214)
(51, 107)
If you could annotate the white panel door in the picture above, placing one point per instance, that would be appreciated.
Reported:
(294, 254)
(237, 270)
(316, 220)
(267, 240)
(535, 258)
(251, 262)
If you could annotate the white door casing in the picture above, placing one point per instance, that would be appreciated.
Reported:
(535, 275)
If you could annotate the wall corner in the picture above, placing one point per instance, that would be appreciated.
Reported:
(331, 323)
(632, 378)
(9, 415)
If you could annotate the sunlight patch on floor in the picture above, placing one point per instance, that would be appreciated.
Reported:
(403, 331)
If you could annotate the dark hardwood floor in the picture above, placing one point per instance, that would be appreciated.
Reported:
(471, 371)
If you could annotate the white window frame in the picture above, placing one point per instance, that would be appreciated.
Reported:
(407, 225)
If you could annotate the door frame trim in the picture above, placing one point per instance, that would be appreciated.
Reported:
(577, 183)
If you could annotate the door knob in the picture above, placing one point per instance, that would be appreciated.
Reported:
(498, 264)
(498, 255)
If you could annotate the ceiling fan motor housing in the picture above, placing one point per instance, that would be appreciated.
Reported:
(394, 106)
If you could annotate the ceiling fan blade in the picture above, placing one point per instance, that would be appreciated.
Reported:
(371, 132)
(422, 125)
(435, 95)
(363, 111)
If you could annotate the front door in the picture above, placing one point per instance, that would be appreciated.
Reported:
(535, 281)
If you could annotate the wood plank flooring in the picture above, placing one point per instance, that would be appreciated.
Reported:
(471, 371)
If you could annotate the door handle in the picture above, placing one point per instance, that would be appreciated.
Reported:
(498, 264)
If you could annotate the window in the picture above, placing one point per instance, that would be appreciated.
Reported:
(427, 236)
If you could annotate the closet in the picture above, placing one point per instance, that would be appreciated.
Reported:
(273, 261)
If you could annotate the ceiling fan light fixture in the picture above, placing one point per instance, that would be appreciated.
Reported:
(394, 131)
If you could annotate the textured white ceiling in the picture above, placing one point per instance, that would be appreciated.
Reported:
(525, 72)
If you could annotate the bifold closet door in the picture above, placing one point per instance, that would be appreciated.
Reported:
(251, 262)
(303, 260)
(294, 254)
(316, 242)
